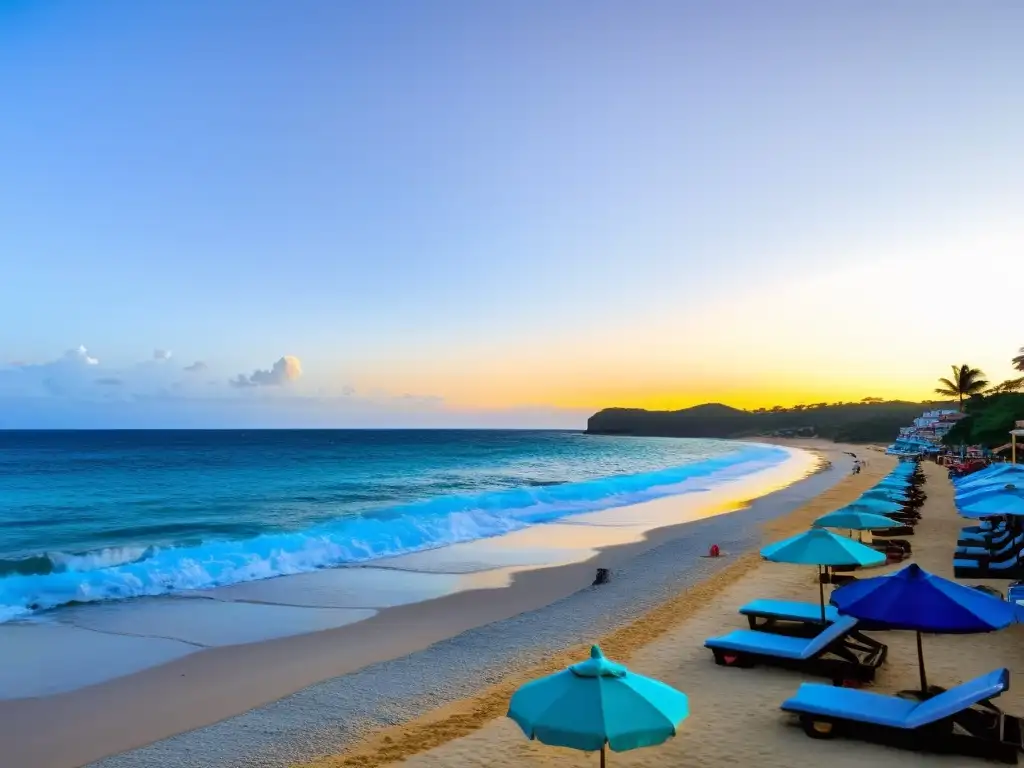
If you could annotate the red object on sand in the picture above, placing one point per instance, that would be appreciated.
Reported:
(714, 551)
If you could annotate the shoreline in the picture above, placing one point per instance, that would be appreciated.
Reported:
(76, 646)
(460, 718)
(668, 645)
(447, 625)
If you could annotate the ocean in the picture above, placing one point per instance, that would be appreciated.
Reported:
(100, 516)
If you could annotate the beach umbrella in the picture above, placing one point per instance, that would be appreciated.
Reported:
(875, 506)
(854, 521)
(990, 474)
(918, 601)
(892, 485)
(984, 491)
(888, 495)
(823, 549)
(1003, 503)
(598, 703)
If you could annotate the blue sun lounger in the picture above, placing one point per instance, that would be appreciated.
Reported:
(961, 720)
(787, 616)
(997, 551)
(1011, 568)
(991, 540)
(837, 652)
(984, 531)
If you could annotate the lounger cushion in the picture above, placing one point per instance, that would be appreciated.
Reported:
(996, 549)
(781, 646)
(789, 610)
(892, 711)
(850, 704)
(1002, 565)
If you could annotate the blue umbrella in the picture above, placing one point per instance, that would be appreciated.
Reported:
(990, 474)
(915, 600)
(994, 504)
(821, 548)
(983, 491)
(596, 703)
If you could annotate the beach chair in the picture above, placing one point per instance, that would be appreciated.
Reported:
(837, 652)
(997, 552)
(992, 538)
(901, 530)
(787, 617)
(962, 720)
(973, 569)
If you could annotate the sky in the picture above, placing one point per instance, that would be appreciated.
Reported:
(262, 213)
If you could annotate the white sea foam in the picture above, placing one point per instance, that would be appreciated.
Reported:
(92, 561)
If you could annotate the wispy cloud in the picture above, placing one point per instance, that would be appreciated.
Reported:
(197, 367)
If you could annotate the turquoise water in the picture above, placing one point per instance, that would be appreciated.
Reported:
(89, 516)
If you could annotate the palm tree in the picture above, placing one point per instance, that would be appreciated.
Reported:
(1018, 361)
(966, 381)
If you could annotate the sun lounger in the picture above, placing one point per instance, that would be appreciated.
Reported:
(984, 539)
(837, 652)
(961, 720)
(835, 579)
(902, 530)
(787, 617)
(996, 552)
(974, 569)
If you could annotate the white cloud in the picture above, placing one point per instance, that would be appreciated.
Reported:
(285, 370)
(161, 354)
(80, 355)
(197, 367)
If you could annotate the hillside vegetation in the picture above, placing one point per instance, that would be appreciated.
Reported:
(865, 422)
(990, 420)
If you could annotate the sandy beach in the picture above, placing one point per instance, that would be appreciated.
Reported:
(735, 713)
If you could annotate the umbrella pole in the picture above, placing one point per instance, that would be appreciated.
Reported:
(602, 756)
(821, 592)
(920, 661)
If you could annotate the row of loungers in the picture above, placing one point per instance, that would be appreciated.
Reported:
(990, 551)
(783, 633)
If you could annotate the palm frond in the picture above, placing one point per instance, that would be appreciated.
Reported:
(1018, 361)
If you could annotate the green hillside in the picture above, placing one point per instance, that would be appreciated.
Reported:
(865, 422)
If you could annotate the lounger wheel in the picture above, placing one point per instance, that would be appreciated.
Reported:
(819, 727)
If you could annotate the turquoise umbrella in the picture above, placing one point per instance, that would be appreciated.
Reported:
(875, 505)
(821, 548)
(597, 703)
(854, 521)
(882, 493)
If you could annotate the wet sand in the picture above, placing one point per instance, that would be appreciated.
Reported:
(735, 712)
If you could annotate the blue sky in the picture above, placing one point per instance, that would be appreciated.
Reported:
(498, 213)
